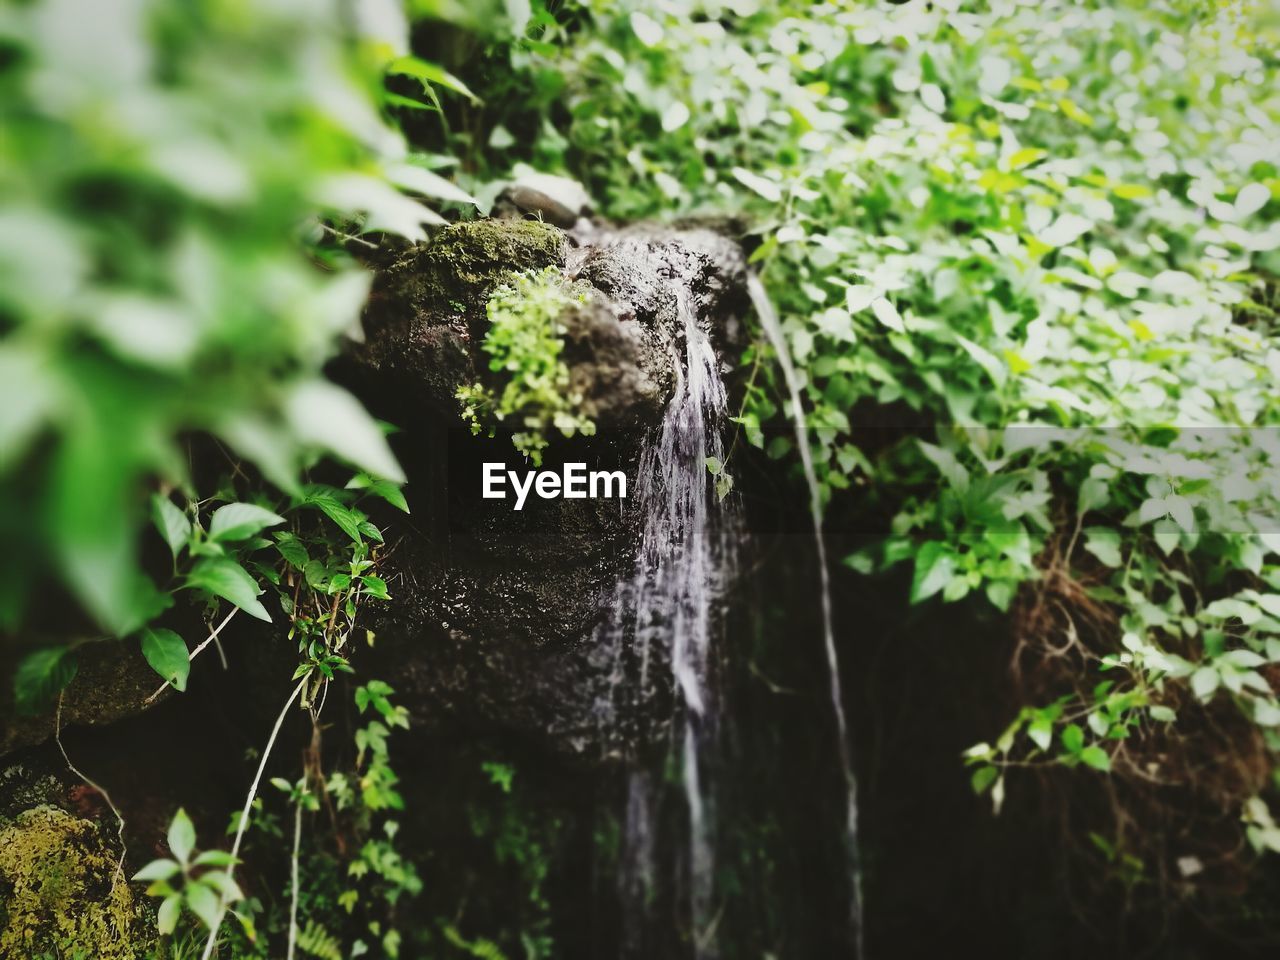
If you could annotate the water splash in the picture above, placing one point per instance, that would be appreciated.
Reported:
(773, 330)
(664, 608)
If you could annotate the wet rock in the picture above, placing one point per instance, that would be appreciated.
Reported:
(495, 612)
(112, 682)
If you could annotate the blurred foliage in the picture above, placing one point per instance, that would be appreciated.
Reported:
(161, 271)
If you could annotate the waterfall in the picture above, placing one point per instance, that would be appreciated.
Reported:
(773, 330)
(664, 609)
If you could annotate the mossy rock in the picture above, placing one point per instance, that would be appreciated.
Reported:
(61, 894)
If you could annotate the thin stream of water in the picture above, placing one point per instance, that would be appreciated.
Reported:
(664, 607)
(773, 330)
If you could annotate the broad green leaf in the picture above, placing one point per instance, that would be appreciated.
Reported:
(239, 521)
(167, 654)
(227, 579)
(1097, 758)
(328, 417)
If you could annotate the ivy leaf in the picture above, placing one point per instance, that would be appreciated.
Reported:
(227, 579)
(239, 521)
(167, 654)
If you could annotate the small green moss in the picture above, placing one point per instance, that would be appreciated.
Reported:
(466, 261)
(62, 893)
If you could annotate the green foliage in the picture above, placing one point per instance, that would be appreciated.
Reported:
(160, 272)
(199, 883)
(524, 342)
(1045, 231)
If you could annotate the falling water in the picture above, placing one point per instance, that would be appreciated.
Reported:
(773, 330)
(664, 608)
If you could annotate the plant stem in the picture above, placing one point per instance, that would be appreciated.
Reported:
(293, 898)
(57, 736)
(199, 650)
(244, 815)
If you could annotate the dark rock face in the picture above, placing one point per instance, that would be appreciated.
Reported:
(112, 682)
(493, 610)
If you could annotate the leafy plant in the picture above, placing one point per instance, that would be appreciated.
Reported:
(195, 882)
(525, 341)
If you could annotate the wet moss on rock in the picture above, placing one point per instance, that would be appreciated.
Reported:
(61, 892)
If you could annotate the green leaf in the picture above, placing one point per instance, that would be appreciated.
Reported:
(215, 858)
(204, 903)
(1094, 493)
(1205, 681)
(172, 523)
(933, 570)
(430, 73)
(1104, 543)
(168, 914)
(343, 516)
(1041, 732)
(239, 521)
(330, 418)
(1097, 758)
(41, 676)
(227, 579)
(223, 884)
(1072, 738)
(724, 483)
(714, 465)
(157, 870)
(385, 489)
(293, 550)
(982, 778)
(182, 836)
(167, 654)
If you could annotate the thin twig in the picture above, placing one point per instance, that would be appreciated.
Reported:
(57, 736)
(212, 638)
(244, 815)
